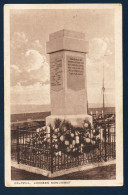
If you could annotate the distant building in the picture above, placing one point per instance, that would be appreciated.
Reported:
(107, 110)
(42, 115)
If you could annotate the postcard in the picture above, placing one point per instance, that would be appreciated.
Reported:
(63, 95)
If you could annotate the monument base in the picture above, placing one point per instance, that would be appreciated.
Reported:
(76, 120)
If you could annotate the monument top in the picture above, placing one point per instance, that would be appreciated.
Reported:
(67, 33)
(67, 40)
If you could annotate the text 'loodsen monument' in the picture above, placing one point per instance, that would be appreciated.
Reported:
(67, 51)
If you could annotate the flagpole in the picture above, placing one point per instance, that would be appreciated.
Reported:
(103, 89)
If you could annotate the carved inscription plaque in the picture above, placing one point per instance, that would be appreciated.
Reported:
(56, 73)
(75, 66)
(75, 72)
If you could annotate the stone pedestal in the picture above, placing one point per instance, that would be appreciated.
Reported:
(67, 51)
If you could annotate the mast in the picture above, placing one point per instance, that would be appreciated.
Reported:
(103, 89)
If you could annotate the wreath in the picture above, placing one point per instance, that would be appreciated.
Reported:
(66, 138)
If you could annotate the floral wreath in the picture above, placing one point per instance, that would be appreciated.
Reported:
(66, 138)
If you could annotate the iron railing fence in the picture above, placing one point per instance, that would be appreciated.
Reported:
(46, 149)
(14, 135)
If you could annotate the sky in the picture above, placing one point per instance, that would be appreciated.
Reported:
(29, 63)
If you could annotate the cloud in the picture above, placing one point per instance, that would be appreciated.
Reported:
(99, 56)
(94, 68)
(36, 44)
(18, 40)
(30, 71)
(15, 68)
(34, 60)
(98, 47)
(94, 73)
(28, 64)
(15, 73)
(30, 78)
(32, 67)
(32, 94)
(108, 52)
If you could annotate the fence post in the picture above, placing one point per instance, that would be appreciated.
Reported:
(114, 142)
(100, 143)
(18, 145)
(109, 140)
(51, 149)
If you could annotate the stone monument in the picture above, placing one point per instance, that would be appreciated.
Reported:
(68, 88)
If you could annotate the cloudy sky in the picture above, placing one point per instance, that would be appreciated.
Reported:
(30, 29)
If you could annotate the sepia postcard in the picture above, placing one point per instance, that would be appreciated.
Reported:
(63, 95)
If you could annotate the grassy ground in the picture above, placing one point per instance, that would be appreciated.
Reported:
(99, 173)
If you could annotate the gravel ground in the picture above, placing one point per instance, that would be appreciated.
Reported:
(99, 173)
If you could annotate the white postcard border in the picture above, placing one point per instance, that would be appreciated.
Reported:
(119, 98)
